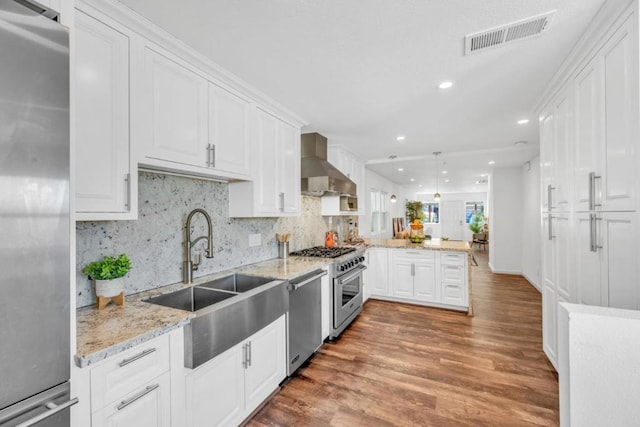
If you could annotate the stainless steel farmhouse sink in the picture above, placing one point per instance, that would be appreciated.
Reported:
(191, 299)
(236, 283)
(227, 311)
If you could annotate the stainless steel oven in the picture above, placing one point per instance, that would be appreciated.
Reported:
(347, 292)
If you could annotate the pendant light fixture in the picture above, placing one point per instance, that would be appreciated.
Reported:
(436, 196)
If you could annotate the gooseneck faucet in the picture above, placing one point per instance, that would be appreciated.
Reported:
(189, 266)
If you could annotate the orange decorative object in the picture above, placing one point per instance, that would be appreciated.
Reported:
(329, 240)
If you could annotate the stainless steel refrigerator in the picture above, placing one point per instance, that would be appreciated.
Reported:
(34, 217)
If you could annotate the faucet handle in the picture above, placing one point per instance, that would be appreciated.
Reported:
(197, 257)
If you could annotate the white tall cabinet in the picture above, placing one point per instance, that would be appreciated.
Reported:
(589, 175)
(105, 173)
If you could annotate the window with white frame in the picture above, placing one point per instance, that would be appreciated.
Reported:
(379, 211)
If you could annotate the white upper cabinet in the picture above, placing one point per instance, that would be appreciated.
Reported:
(619, 150)
(228, 130)
(546, 157)
(606, 126)
(275, 189)
(105, 177)
(189, 124)
(354, 169)
(175, 111)
(562, 149)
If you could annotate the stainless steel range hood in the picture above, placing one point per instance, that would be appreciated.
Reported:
(319, 177)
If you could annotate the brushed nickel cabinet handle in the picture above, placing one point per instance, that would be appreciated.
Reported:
(132, 359)
(123, 404)
(213, 155)
(127, 199)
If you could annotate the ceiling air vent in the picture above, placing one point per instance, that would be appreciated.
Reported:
(499, 36)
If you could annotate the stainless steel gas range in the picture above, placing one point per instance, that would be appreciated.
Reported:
(347, 291)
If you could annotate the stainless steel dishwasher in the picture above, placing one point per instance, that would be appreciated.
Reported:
(304, 325)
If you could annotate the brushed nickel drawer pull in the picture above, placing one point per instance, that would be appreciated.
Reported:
(140, 395)
(132, 359)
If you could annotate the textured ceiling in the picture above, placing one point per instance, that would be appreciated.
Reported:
(365, 71)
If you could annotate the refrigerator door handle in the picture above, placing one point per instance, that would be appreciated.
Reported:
(53, 409)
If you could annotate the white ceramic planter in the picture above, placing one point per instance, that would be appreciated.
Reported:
(109, 288)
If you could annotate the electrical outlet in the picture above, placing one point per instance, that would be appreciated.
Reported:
(255, 240)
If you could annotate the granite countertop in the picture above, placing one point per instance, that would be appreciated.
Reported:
(433, 244)
(103, 333)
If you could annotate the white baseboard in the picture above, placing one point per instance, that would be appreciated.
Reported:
(493, 270)
(533, 282)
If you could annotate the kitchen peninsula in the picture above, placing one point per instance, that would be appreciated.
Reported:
(434, 273)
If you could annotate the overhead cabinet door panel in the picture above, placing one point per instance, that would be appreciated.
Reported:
(177, 105)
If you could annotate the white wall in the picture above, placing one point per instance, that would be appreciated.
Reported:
(505, 220)
(465, 197)
(531, 244)
(374, 181)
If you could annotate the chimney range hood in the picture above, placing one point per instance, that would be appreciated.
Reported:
(319, 177)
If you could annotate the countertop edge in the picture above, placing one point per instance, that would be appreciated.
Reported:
(100, 355)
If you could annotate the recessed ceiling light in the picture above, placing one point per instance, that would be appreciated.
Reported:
(420, 185)
(400, 169)
(444, 172)
(483, 175)
(491, 162)
(446, 180)
(412, 180)
(445, 84)
(520, 142)
(523, 121)
(400, 138)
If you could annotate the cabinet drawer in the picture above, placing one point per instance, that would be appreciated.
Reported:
(128, 371)
(453, 294)
(452, 258)
(452, 274)
(148, 405)
(415, 255)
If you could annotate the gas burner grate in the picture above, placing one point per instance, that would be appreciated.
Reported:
(323, 252)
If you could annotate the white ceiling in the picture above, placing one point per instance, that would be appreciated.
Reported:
(363, 72)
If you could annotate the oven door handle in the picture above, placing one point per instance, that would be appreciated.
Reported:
(295, 286)
(342, 280)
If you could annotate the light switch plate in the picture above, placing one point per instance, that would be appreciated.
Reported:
(255, 240)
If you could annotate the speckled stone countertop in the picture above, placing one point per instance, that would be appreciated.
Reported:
(103, 333)
(434, 244)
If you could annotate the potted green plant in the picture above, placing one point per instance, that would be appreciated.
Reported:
(477, 223)
(108, 276)
(414, 211)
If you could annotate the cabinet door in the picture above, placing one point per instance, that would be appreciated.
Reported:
(563, 120)
(148, 407)
(619, 151)
(266, 363)
(424, 280)
(175, 103)
(228, 130)
(548, 253)
(546, 156)
(549, 324)
(589, 115)
(101, 74)
(215, 391)
(269, 164)
(402, 274)
(379, 266)
(564, 259)
(588, 263)
(290, 168)
(617, 235)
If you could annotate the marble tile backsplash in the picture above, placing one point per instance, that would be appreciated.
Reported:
(154, 242)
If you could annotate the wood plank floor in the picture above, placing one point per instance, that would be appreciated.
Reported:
(400, 364)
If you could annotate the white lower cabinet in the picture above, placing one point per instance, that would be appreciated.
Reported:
(437, 278)
(225, 390)
(376, 276)
(149, 407)
(131, 388)
(414, 275)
